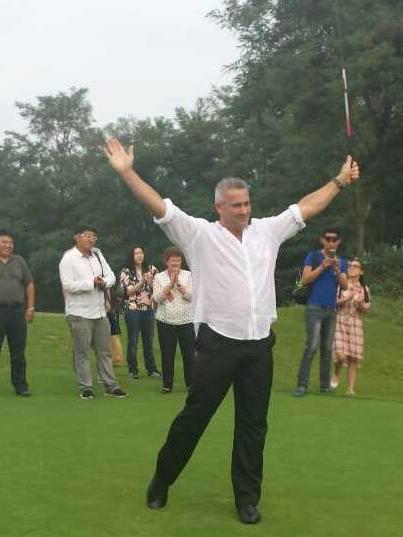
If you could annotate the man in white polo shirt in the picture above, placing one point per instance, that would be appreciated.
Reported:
(232, 263)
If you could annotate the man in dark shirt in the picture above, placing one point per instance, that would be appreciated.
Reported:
(17, 299)
(324, 272)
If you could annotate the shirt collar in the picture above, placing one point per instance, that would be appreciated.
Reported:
(80, 254)
(9, 260)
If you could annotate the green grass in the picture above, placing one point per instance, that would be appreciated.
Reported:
(73, 468)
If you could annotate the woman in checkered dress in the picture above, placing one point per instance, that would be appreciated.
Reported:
(348, 346)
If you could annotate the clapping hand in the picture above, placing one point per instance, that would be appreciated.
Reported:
(99, 282)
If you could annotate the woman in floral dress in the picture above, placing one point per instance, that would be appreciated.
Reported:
(348, 347)
(136, 281)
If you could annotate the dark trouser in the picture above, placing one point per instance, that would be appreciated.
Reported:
(320, 326)
(138, 321)
(169, 335)
(218, 363)
(14, 325)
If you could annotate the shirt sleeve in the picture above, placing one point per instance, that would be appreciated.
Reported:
(26, 274)
(308, 261)
(67, 278)
(108, 276)
(343, 265)
(158, 289)
(286, 224)
(181, 228)
(188, 285)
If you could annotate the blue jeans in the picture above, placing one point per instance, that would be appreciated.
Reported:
(138, 321)
(320, 324)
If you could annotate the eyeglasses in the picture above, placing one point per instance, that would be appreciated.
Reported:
(90, 236)
(354, 265)
(330, 238)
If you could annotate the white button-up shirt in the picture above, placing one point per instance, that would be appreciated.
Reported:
(77, 273)
(233, 281)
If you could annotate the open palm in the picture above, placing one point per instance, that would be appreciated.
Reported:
(120, 158)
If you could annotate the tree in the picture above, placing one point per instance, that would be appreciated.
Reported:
(289, 90)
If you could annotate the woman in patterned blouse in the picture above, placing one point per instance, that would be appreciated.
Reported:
(136, 280)
(348, 346)
(173, 295)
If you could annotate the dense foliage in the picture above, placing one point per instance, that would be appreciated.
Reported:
(279, 126)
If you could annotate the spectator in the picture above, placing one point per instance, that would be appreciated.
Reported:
(85, 276)
(17, 306)
(348, 348)
(136, 280)
(324, 272)
(173, 295)
(113, 314)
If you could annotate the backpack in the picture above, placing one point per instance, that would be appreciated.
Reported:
(301, 292)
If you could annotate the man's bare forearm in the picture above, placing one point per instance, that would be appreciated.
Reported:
(317, 201)
(309, 276)
(121, 160)
(144, 193)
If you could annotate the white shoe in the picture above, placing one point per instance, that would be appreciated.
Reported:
(334, 383)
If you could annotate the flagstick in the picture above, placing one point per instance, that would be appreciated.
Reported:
(349, 130)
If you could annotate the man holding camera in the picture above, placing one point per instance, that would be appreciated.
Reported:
(324, 272)
(85, 276)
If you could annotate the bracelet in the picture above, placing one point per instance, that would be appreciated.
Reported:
(338, 183)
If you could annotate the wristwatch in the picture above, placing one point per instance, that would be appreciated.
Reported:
(338, 183)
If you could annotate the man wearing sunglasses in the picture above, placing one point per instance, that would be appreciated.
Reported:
(324, 272)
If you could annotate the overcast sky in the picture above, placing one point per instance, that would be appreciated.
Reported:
(143, 58)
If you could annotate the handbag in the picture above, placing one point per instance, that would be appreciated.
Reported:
(301, 292)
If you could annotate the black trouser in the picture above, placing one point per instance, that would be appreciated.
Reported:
(218, 363)
(14, 325)
(168, 336)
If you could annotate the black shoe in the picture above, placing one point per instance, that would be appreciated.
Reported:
(87, 394)
(23, 393)
(157, 494)
(117, 392)
(248, 514)
(166, 390)
(133, 375)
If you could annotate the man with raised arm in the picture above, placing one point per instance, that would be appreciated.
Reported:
(232, 263)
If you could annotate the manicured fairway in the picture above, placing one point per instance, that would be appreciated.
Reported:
(73, 468)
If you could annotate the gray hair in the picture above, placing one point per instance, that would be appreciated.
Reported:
(228, 183)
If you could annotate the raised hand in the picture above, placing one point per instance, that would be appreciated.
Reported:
(120, 159)
(350, 171)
